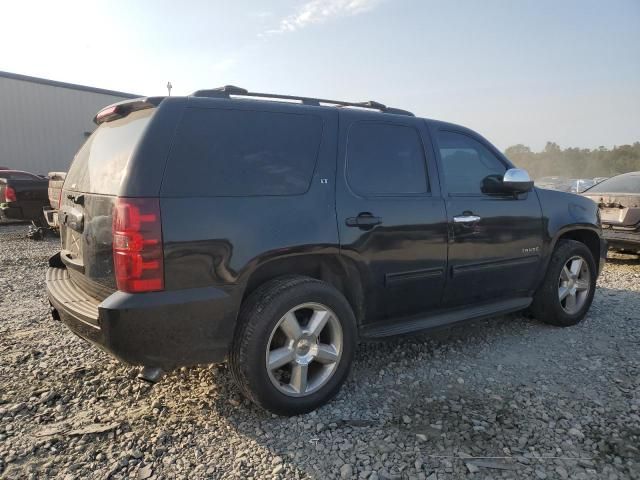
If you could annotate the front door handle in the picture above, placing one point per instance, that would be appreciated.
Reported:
(466, 219)
(364, 221)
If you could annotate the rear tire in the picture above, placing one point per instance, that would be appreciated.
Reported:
(567, 291)
(294, 345)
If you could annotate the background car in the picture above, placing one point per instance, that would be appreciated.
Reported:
(619, 201)
(551, 183)
(560, 184)
(23, 195)
(579, 185)
(56, 179)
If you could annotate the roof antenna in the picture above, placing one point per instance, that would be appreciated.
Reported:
(169, 87)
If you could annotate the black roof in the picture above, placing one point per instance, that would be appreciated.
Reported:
(71, 86)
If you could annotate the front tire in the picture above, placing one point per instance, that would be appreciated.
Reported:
(294, 345)
(567, 291)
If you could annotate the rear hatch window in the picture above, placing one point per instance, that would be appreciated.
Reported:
(89, 194)
(100, 165)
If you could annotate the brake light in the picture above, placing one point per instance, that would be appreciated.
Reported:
(137, 245)
(59, 199)
(10, 194)
(107, 114)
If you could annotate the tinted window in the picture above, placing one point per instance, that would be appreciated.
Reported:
(100, 163)
(240, 152)
(384, 159)
(627, 183)
(467, 164)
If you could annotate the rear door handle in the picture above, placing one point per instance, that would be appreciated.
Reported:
(466, 219)
(364, 221)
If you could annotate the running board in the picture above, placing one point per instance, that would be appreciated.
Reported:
(415, 324)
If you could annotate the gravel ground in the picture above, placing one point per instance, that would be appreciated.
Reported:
(503, 398)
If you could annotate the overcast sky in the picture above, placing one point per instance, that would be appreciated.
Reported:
(516, 71)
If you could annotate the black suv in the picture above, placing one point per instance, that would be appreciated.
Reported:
(274, 231)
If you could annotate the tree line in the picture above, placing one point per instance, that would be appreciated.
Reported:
(576, 162)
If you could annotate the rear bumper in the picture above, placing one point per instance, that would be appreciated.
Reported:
(158, 329)
(622, 239)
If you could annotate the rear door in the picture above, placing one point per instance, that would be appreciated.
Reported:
(89, 192)
(495, 240)
(391, 217)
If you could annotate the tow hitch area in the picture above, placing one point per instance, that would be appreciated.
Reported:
(151, 375)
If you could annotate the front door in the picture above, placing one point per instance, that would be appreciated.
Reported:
(391, 217)
(495, 240)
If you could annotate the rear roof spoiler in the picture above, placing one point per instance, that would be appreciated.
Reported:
(124, 108)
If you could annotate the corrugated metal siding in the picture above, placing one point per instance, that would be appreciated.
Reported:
(43, 126)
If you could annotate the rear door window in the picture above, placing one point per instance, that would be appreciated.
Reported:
(220, 152)
(385, 159)
(100, 164)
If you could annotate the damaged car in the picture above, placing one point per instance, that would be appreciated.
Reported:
(619, 201)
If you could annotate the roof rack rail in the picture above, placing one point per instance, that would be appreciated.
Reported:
(230, 90)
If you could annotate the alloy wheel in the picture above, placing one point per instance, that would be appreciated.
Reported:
(304, 349)
(574, 284)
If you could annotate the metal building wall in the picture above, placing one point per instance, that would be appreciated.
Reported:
(42, 125)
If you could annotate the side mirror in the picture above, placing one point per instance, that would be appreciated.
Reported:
(517, 180)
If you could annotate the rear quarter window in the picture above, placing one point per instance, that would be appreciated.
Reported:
(220, 152)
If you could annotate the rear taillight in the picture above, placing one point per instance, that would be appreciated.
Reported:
(10, 194)
(60, 199)
(137, 245)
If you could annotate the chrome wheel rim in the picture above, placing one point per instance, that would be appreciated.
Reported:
(304, 349)
(574, 284)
